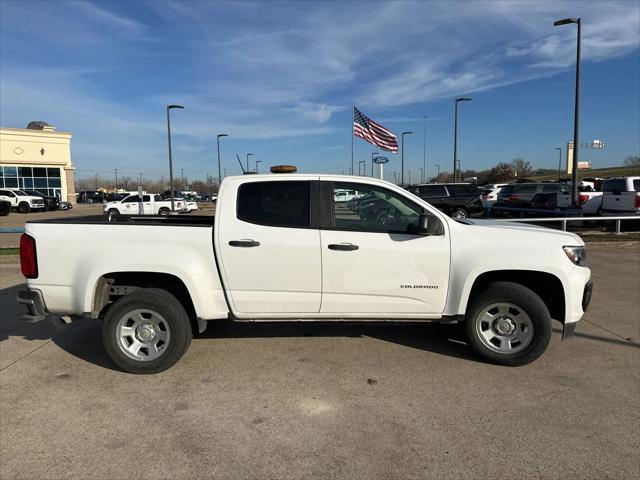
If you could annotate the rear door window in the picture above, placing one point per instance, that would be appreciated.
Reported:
(616, 185)
(277, 204)
(432, 191)
(636, 185)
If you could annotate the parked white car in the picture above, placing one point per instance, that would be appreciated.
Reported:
(278, 249)
(490, 194)
(21, 200)
(150, 204)
(621, 195)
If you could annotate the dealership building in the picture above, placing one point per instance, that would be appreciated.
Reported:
(37, 158)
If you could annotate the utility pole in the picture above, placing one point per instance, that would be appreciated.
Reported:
(402, 160)
(455, 135)
(220, 135)
(169, 107)
(372, 155)
(576, 111)
(424, 151)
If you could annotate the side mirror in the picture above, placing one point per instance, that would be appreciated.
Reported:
(423, 224)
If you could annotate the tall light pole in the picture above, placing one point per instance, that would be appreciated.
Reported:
(424, 150)
(116, 172)
(170, 107)
(402, 159)
(248, 160)
(438, 175)
(576, 144)
(362, 163)
(257, 162)
(372, 155)
(455, 134)
(219, 169)
(559, 160)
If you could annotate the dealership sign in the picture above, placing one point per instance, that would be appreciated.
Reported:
(380, 160)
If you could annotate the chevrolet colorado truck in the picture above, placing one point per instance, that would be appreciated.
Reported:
(282, 248)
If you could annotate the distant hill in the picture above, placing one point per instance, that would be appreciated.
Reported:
(593, 172)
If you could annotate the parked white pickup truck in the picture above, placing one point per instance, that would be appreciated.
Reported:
(21, 200)
(151, 205)
(284, 250)
(621, 195)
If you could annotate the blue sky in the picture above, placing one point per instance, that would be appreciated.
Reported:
(279, 77)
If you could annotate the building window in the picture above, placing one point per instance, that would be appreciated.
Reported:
(46, 180)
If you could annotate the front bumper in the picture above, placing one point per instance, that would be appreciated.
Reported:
(33, 300)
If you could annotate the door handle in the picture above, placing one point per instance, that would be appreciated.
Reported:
(344, 247)
(244, 243)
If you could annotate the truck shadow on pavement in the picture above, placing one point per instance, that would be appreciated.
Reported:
(82, 338)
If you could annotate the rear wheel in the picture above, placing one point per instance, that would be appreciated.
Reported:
(146, 331)
(164, 211)
(23, 207)
(459, 212)
(508, 324)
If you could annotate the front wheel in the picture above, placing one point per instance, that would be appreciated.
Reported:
(146, 331)
(24, 207)
(508, 324)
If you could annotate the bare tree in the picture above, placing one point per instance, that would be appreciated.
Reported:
(521, 167)
(632, 161)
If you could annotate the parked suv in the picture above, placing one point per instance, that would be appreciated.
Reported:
(21, 200)
(90, 196)
(520, 195)
(458, 200)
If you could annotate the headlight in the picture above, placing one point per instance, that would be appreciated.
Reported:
(577, 255)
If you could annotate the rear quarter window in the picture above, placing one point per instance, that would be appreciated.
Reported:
(636, 185)
(277, 204)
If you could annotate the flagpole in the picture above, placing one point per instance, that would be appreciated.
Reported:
(353, 115)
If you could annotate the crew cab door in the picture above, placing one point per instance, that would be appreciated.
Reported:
(375, 263)
(268, 247)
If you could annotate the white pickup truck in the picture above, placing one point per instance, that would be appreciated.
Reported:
(281, 248)
(21, 200)
(150, 205)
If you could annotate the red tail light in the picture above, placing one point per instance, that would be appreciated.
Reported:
(513, 198)
(636, 203)
(28, 259)
(582, 199)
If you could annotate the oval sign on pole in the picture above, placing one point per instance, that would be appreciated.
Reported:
(380, 160)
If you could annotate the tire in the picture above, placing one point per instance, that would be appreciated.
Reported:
(164, 211)
(524, 329)
(149, 313)
(459, 212)
(23, 207)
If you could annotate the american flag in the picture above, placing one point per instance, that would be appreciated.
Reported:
(373, 132)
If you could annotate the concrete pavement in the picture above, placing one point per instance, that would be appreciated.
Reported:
(337, 401)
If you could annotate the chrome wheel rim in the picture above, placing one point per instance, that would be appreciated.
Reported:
(504, 328)
(143, 334)
(459, 214)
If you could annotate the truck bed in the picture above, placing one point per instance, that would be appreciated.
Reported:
(156, 220)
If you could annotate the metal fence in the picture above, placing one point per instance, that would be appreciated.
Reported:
(564, 220)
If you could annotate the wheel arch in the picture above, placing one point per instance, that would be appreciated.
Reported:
(544, 284)
(113, 285)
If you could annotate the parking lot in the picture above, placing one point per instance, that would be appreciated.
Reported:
(14, 219)
(328, 401)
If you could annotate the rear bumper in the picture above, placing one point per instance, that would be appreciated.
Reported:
(33, 300)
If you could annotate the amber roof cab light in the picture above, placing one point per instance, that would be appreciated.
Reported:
(28, 258)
